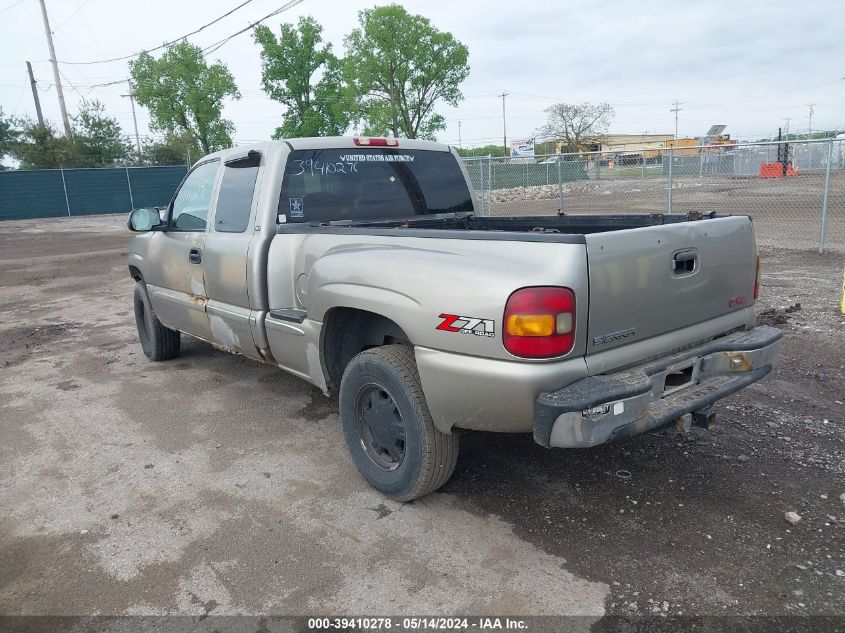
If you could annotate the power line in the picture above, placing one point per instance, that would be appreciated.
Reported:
(219, 44)
(78, 9)
(11, 6)
(166, 44)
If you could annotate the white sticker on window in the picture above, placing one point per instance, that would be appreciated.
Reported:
(297, 208)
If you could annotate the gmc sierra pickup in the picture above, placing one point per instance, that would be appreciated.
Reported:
(358, 265)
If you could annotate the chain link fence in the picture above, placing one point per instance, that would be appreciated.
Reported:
(794, 190)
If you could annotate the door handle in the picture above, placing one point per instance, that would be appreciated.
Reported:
(195, 255)
(684, 262)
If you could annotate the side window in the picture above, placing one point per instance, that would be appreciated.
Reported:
(190, 207)
(234, 202)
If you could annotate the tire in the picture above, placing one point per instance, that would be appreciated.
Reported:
(388, 427)
(158, 341)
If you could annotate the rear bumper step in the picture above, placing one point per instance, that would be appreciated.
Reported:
(603, 408)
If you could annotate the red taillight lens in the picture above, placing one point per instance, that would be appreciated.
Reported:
(757, 280)
(539, 322)
(376, 141)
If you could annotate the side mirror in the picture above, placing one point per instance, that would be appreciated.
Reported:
(145, 219)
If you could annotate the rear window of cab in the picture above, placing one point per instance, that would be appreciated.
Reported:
(371, 183)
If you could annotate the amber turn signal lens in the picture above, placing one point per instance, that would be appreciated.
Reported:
(530, 325)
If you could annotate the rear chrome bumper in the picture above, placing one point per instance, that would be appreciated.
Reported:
(602, 408)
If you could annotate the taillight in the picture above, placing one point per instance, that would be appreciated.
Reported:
(376, 141)
(539, 322)
(757, 280)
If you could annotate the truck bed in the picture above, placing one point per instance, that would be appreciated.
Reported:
(536, 224)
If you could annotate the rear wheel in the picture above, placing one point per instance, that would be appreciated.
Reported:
(388, 428)
(158, 341)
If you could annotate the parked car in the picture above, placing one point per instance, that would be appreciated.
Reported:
(359, 265)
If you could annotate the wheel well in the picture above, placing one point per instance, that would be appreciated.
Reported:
(135, 273)
(348, 331)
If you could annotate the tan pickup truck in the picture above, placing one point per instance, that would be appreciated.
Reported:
(358, 264)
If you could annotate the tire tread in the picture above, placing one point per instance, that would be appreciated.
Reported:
(441, 449)
(164, 343)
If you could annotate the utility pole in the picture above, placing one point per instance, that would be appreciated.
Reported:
(35, 95)
(55, 64)
(459, 135)
(504, 125)
(676, 109)
(131, 96)
(810, 124)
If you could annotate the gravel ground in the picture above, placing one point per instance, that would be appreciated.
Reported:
(786, 211)
(211, 484)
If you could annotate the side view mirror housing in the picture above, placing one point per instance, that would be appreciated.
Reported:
(145, 219)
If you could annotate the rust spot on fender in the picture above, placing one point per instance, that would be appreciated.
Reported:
(198, 299)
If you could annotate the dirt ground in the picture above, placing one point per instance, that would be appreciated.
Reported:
(786, 212)
(214, 485)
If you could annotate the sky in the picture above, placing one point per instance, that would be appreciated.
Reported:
(751, 65)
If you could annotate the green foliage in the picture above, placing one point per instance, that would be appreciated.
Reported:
(8, 136)
(487, 150)
(97, 141)
(400, 66)
(185, 95)
(173, 150)
(98, 138)
(288, 66)
(40, 147)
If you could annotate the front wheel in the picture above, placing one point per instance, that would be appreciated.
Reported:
(158, 341)
(388, 428)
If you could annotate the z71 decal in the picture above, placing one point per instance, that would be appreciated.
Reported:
(466, 325)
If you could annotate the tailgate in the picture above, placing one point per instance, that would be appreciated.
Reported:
(653, 280)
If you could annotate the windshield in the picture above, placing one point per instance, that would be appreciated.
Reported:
(371, 183)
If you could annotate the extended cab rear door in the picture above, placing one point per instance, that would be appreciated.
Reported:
(226, 257)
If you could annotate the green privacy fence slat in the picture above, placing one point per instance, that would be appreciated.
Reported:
(154, 186)
(91, 191)
(31, 194)
(45, 193)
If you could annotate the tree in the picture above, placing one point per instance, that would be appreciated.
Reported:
(40, 147)
(185, 95)
(487, 150)
(577, 126)
(400, 66)
(98, 138)
(97, 141)
(288, 66)
(173, 150)
(8, 136)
